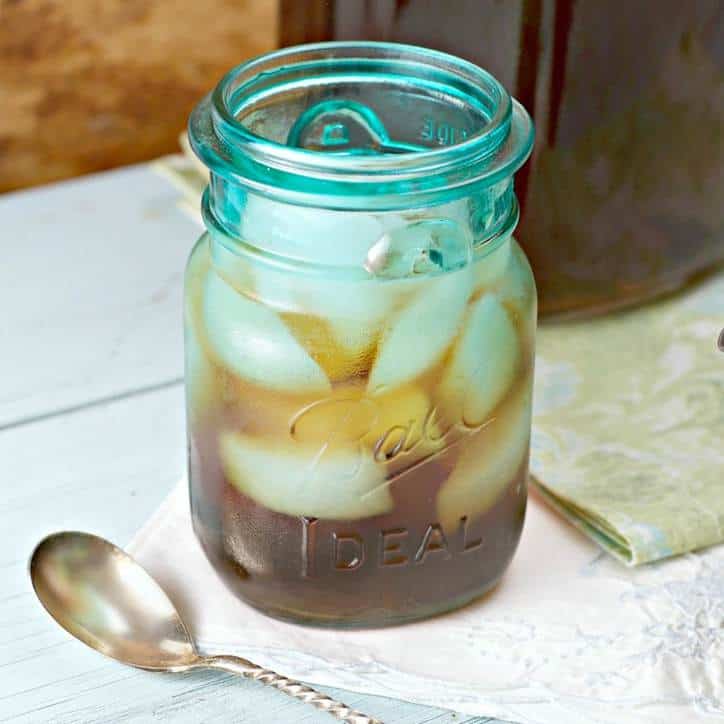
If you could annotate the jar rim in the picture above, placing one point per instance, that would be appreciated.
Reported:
(381, 181)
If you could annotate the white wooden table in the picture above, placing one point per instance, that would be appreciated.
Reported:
(92, 438)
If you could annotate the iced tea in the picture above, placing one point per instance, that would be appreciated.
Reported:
(358, 450)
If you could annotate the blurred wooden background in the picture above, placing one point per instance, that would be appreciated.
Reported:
(90, 84)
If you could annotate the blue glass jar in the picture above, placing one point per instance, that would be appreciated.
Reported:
(359, 333)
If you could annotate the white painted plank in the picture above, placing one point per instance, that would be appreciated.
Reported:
(90, 288)
(105, 469)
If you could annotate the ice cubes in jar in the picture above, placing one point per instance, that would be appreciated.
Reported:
(450, 339)
(363, 407)
(339, 483)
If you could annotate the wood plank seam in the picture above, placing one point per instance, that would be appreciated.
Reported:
(89, 404)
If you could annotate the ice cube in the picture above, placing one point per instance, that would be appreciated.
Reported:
(490, 267)
(488, 462)
(429, 246)
(404, 426)
(338, 420)
(355, 343)
(484, 362)
(195, 275)
(340, 360)
(397, 429)
(253, 342)
(234, 268)
(342, 483)
(354, 310)
(517, 286)
(418, 336)
(355, 313)
(342, 318)
(200, 377)
(311, 234)
(200, 374)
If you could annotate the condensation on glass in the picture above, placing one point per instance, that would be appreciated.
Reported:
(359, 330)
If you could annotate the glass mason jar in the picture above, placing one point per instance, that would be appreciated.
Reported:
(359, 333)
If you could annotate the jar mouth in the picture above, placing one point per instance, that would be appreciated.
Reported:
(332, 123)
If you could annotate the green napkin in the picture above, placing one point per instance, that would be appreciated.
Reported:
(628, 429)
(628, 438)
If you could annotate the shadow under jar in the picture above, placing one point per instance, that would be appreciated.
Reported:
(359, 328)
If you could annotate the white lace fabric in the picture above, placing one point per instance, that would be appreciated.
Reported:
(570, 636)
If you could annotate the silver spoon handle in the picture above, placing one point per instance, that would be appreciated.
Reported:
(245, 668)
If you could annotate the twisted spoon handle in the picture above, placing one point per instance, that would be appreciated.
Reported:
(245, 668)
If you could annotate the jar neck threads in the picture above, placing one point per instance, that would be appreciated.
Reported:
(467, 126)
(375, 128)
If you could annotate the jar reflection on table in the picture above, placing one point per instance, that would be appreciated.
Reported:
(359, 380)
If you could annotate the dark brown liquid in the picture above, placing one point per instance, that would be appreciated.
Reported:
(382, 569)
(621, 201)
(359, 572)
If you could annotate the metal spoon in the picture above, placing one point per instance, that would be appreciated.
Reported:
(100, 595)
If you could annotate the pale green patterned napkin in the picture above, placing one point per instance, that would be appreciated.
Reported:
(628, 433)
(628, 439)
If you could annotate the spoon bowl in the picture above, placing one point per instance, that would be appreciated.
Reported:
(100, 595)
(103, 597)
